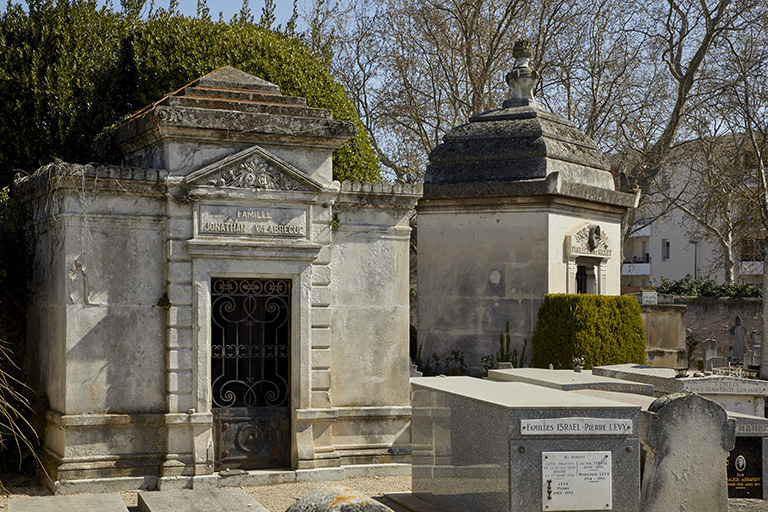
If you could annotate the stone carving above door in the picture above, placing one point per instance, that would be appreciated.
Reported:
(256, 174)
(589, 241)
(257, 169)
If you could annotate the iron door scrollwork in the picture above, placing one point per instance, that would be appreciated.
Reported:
(250, 372)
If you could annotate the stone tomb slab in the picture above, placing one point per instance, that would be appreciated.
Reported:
(746, 396)
(481, 445)
(231, 500)
(84, 502)
(569, 380)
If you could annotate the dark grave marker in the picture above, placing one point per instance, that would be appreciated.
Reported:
(745, 468)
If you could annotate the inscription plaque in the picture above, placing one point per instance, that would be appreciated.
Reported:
(576, 481)
(745, 468)
(252, 222)
(575, 427)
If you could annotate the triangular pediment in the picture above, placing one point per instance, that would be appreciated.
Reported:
(254, 168)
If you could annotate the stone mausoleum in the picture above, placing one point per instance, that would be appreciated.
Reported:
(219, 302)
(518, 203)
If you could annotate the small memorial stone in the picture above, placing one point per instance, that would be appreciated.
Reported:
(336, 499)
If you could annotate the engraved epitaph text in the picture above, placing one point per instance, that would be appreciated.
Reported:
(575, 427)
(252, 222)
(576, 481)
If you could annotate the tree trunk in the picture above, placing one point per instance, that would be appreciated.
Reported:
(729, 267)
(763, 340)
(728, 260)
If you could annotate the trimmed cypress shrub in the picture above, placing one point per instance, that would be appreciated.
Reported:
(602, 329)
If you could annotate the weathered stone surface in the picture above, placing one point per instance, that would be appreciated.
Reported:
(207, 500)
(568, 380)
(85, 503)
(686, 438)
(513, 144)
(504, 196)
(479, 444)
(120, 328)
(336, 499)
(746, 396)
(224, 112)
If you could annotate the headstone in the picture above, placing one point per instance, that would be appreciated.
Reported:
(745, 468)
(738, 340)
(648, 297)
(336, 499)
(686, 438)
(709, 346)
(499, 446)
(749, 429)
(751, 443)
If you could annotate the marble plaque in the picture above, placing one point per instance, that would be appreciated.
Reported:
(576, 481)
(252, 222)
(575, 427)
(726, 386)
(745, 468)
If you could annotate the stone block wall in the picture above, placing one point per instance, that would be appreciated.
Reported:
(713, 317)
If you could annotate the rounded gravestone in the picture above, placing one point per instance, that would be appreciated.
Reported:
(337, 499)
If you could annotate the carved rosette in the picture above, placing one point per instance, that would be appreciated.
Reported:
(589, 241)
(257, 175)
(171, 114)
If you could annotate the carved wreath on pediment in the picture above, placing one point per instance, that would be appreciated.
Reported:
(258, 175)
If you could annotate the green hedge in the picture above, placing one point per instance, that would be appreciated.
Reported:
(707, 287)
(601, 329)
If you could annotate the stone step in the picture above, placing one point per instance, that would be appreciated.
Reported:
(202, 500)
(236, 95)
(250, 106)
(80, 502)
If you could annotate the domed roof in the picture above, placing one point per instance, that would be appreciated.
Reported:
(517, 143)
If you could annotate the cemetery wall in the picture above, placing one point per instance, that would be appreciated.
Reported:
(713, 317)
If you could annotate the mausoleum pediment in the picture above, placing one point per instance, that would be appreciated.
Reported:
(221, 113)
(254, 168)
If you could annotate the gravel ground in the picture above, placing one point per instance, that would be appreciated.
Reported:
(277, 498)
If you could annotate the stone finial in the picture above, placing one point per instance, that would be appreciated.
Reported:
(522, 79)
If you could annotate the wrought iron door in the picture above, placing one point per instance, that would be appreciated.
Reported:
(250, 372)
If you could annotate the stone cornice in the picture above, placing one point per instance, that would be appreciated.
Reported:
(60, 174)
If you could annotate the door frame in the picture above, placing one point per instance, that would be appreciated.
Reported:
(222, 264)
